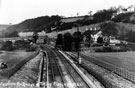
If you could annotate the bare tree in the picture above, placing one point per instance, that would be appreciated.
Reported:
(77, 14)
(90, 13)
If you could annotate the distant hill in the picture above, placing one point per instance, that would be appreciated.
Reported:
(125, 31)
(36, 24)
(123, 22)
(130, 19)
(4, 27)
(74, 19)
(46, 23)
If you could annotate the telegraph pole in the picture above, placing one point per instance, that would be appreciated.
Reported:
(78, 41)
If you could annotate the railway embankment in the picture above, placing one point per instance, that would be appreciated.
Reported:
(106, 77)
(26, 76)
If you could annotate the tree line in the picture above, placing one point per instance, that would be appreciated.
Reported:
(46, 23)
(68, 42)
(72, 42)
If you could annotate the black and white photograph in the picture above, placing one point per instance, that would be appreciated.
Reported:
(67, 44)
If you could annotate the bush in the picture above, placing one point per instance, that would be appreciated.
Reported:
(67, 43)
(59, 41)
(31, 48)
(107, 49)
(127, 47)
(111, 49)
(21, 44)
(98, 49)
(8, 45)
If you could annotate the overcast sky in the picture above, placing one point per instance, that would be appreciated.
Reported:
(16, 11)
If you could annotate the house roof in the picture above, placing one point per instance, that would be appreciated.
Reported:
(26, 34)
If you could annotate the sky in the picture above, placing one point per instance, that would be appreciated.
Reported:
(16, 11)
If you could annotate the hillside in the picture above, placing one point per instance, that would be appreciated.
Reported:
(122, 31)
(74, 19)
(36, 24)
(130, 19)
(123, 17)
(46, 23)
(123, 23)
(4, 27)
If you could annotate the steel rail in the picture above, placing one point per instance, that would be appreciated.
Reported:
(69, 65)
(56, 66)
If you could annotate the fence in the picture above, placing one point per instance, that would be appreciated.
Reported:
(9, 72)
(117, 70)
(114, 69)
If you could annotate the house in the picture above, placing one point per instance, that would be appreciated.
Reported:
(25, 34)
(110, 39)
(28, 35)
(113, 40)
(95, 36)
(131, 8)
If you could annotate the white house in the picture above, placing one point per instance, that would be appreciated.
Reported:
(28, 34)
(25, 34)
(111, 39)
(95, 36)
(131, 8)
(41, 36)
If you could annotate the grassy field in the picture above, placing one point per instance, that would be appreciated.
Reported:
(26, 76)
(125, 60)
(29, 72)
(12, 59)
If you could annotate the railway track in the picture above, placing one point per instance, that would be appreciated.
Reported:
(56, 75)
(110, 67)
(85, 66)
(43, 71)
(130, 76)
(50, 75)
(61, 72)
